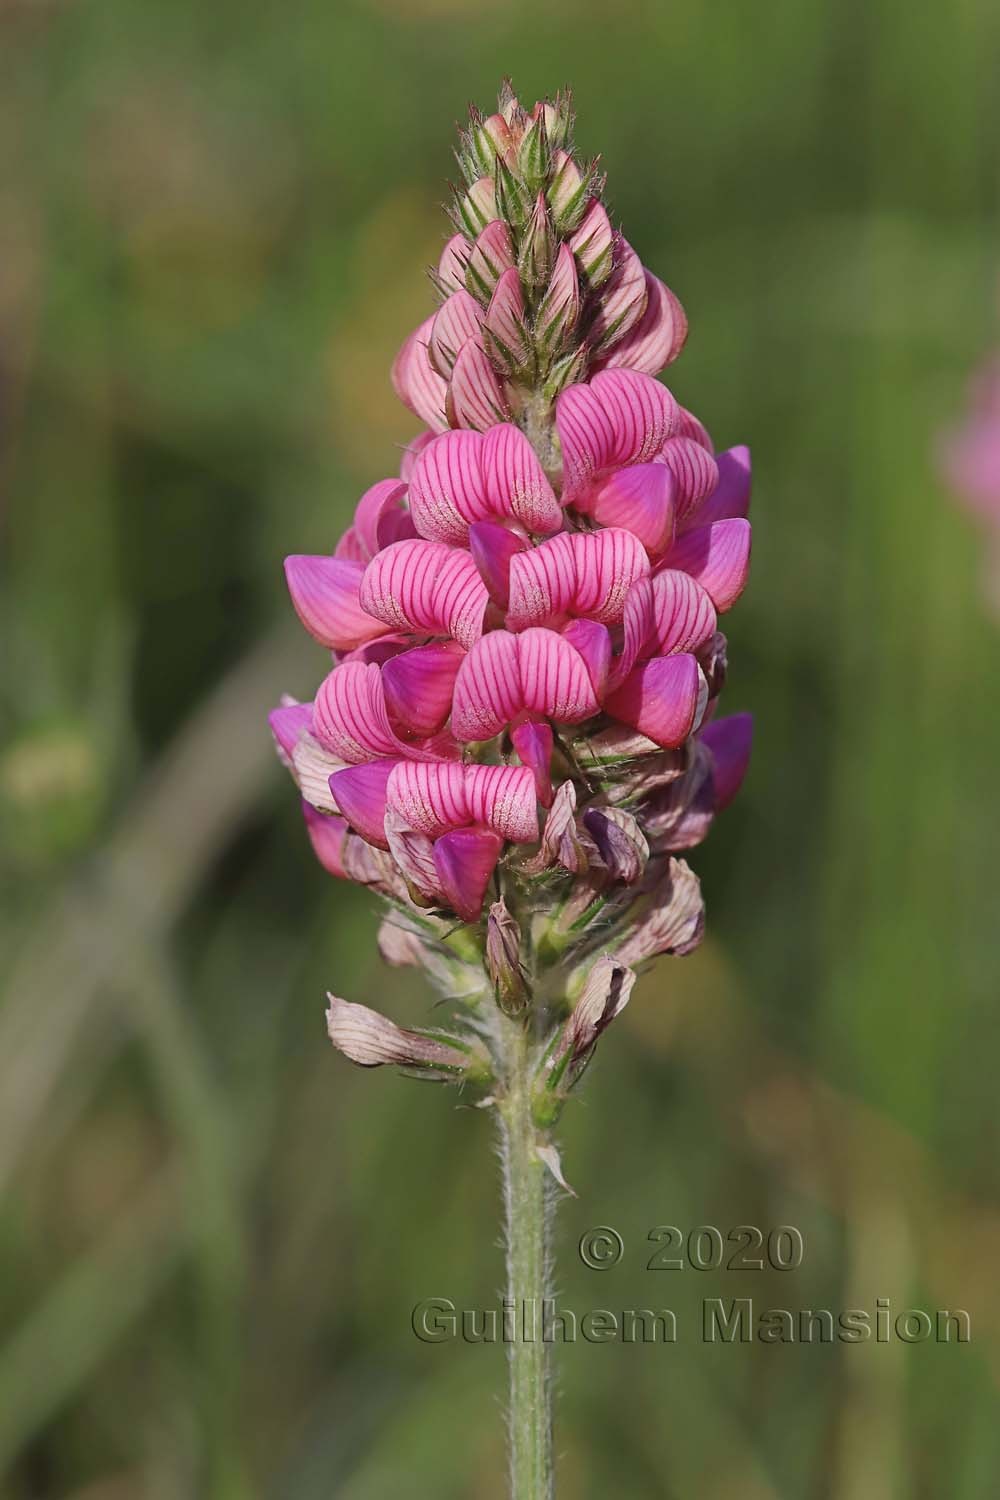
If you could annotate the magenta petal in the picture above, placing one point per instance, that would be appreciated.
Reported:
(718, 556)
(418, 685)
(642, 412)
(287, 723)
(731, 496)
(658, 337)
(360, 795)
(503, 797)
(729, 741)
(555, 680)
(456, 321)
(326, 834)
(683, 616)
(488, 690)
(593, 643)
(533, 742)
(586, 436)
(447, 489)
(505, 328)
(688, 425)
(412, 452)
(492, 547)
(429, 586)
(515, 481)
(694, 470)
(661, 698)
(465, 860)
(325, 593)
(434, 797)
(416, 383)
(379, 517)
(641, 499)
(349, 714)
(475, 398)
(579, 573)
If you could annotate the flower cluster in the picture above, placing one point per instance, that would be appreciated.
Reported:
(525, 624)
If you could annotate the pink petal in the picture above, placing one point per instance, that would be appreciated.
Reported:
(447, 488)
(729, 741)
(515, 481)
(533, 742)
(586, 435)
(694, 470)
(325, 593)
(718, 556)
(350, 548)
(360, 795)
(555, 680)
(641, 499)
(287, 724)
(327, 832)
(658, 337)
(689, 426)
(492, 547)
(579, 573)
(456, 321)
(593, 643)
(622, 302)
(428, 586)
(434, 797)
(503, 797)
(592, 245)
(416, 383)
(560, 307)
(412, 452)
(474, 395)
(661, 698)
(731, 496)
(505, 327)
(379, 517)
(488, 691)
(643, 413)
(418, 685)
(491, 256)
(414, 854)
(465, 860)
(349, 714)
(451, 266)
(683, 616)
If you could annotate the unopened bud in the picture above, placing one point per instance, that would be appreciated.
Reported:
(513, 200)
(537, 255)
(623, 300)
(592, 244)
(559, 311)
(503, 960)
(476, 208)
(491, 255)
(534, 155)
(505, 330)
(567, 193)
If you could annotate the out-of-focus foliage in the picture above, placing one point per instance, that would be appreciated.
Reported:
(213, 1231)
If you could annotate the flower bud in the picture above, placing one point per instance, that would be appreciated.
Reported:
(476, 208)
(450, 274)
(503, 960)
(512, 197)
(674, 921)
(491, 255)
(505, 330)
(623, 300)
(534, 155)
(557, 316)
(538, 247)
(605, 994)
(372, 1040)
(592, 244)
(567, 193)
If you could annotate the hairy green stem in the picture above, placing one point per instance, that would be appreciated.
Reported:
(526, 1205)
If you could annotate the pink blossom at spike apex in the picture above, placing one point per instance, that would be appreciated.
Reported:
(970, 461)
(545, 577)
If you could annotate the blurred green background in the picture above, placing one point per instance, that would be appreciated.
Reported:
(213, 1230)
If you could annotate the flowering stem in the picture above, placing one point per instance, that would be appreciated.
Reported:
(526, 1205)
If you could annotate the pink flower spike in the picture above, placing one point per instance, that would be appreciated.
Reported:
(418, 685)
(455, 322)
(491, 256)
(492, 547)
(695, 473)
(641, 499)
(474, 396)
(417, 383)
(731, 496)
(426, 586)
(658, 337)
(505, 331)
(325, 593)
(288, 723)
(718, 556)
(729, 741)
(465, 860)
(516, 483)
(662, 698)
(327, 832)
(360, 795)
(533, 741)
(452, 265)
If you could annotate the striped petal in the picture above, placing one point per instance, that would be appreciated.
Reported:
(533, 742)
(688, 425)
(349, 714)
(694, 470)
(640, 499)
(593, 643)
(620, 417)
(417, 383)
(718, 556)
(412, 452)
(729, 741)
(491, 256)
(731, 496)
(325, 593)
(488, 692)
(414, 854)
(492, 548)
(452, 265)
(456, 321)
(475, 398)
(592, 245)
(418, 685)
(555, 680)
(360, 795)
(447, 488)
(505, 330)
(435, 797)
(664, 615)
(578, 573)
(380, 517)
(623, 300)
(662, 698)
(658, 337)
(516, 484)
(426, 586)
(464, 861)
